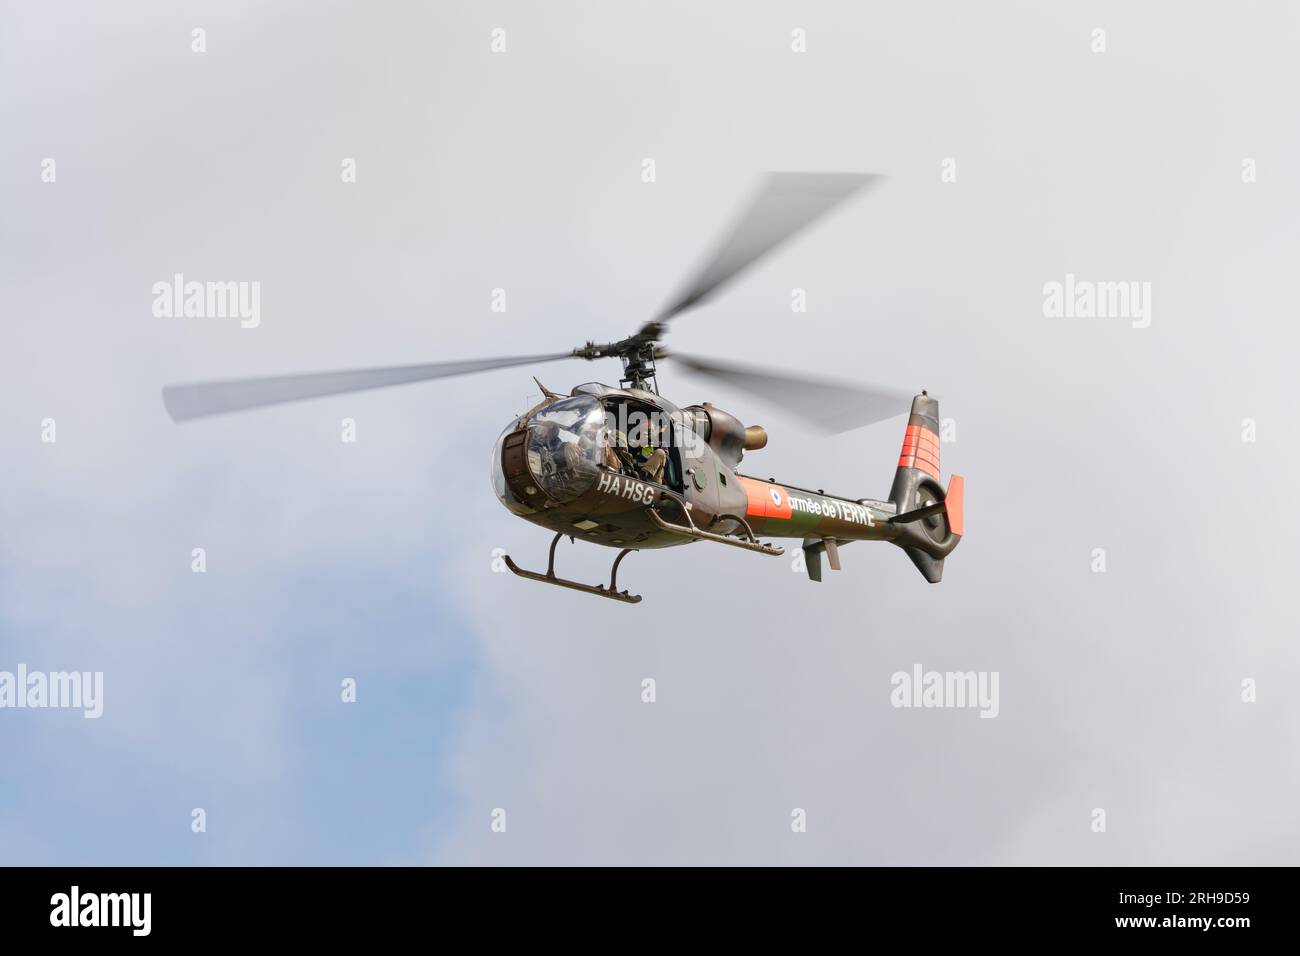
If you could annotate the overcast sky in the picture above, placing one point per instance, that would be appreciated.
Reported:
(522, 170)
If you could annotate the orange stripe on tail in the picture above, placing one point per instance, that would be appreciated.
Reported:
(920, 450)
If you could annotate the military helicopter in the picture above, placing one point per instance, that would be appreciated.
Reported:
(627, 468)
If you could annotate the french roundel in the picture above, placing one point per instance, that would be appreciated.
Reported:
(776, 496)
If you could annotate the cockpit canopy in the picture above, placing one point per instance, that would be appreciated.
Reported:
(564, 446)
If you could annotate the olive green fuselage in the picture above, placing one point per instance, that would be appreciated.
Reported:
(613, 510)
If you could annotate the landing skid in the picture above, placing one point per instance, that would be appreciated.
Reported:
(612, 592)
(691, 530)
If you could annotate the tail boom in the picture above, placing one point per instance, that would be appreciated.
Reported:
(920, 516)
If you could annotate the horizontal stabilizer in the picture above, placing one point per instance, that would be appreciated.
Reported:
(929, 511)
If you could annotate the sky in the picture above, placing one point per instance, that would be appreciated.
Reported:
(1020, 146)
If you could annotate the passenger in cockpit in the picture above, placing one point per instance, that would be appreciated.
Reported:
(651, 456)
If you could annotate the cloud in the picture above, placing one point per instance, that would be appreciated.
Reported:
(373, 559)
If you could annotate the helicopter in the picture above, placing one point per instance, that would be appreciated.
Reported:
(624, 467)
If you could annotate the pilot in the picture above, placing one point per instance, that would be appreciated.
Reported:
(575, 454)
(546, 441)
(581, 451)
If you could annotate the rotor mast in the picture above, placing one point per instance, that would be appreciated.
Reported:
(636, 352)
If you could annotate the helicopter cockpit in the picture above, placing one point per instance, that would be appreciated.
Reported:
(557, 456)
(566, 444)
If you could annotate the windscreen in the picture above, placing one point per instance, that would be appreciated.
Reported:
(566, 445)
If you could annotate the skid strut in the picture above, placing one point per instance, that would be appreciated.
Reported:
(612, 592)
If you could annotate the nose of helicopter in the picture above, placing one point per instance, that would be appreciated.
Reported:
(554, 459)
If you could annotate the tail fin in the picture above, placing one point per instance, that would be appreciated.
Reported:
(927, 533)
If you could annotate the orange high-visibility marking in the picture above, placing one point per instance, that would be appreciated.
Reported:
(755, 506)
(954, 503)
(765, 500)
(920, 450)
(920, 464)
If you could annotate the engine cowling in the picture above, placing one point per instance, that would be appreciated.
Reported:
(725, 433)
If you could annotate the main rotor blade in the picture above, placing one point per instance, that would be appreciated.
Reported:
(184, 402)
(830, 406)
(786, 203)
